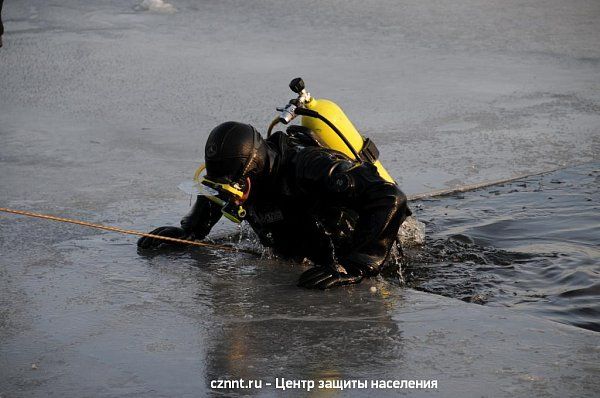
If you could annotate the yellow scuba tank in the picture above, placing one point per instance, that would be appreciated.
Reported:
(332, 112)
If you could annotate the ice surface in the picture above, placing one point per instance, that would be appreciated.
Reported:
(104, 110)
(156, 6)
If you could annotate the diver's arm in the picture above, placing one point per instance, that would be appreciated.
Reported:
(195, 225)
(201, 218)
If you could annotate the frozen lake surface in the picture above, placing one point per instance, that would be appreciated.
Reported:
(105, 108)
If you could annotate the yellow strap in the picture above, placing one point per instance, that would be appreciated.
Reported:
(199, 170)
(226, 187)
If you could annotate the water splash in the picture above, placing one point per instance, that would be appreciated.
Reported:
(412, 232)
(393, 268)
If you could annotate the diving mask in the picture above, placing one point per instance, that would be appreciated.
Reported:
(229, 196)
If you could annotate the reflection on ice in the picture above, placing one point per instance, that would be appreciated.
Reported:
(155, 6)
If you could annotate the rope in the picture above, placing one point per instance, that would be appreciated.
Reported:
(426, 195)
(473, 187)
(127, 231)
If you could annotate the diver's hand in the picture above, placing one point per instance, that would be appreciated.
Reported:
(146, 242)
(324, 277)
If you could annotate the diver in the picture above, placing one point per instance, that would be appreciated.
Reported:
(301, 198)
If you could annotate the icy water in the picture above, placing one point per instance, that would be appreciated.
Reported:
(532, 245)
(105, 107)
(97, 318)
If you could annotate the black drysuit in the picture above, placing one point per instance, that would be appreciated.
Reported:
(314, 202)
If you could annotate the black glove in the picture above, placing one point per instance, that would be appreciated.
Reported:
(324, 277)
(152, 243)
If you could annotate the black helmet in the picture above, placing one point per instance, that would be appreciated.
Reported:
(233, 152)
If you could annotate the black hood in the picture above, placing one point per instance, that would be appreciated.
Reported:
(235, 151)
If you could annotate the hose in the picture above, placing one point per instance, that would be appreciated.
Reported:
(273, 124)
(432, 194)
(317, 115)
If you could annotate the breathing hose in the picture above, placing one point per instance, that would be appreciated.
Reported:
(317, 115)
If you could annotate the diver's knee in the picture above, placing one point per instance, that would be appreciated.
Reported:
(400, 203)
(399, 200)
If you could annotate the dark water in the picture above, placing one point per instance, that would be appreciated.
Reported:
(532, 245)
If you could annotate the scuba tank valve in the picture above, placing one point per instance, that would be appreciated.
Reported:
(288, 113)
(331, 125)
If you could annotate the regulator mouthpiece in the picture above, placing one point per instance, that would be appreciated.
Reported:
(234, 212)
(233, 194)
